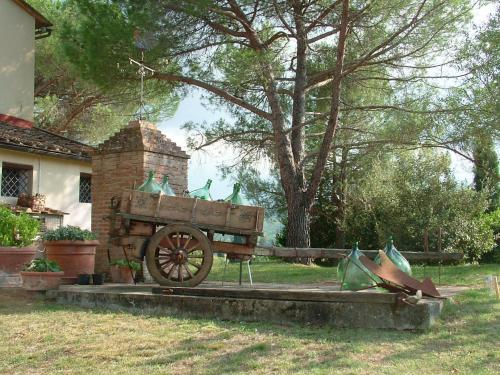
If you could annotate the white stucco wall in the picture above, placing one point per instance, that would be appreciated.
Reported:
(17, 61)
(56, 178)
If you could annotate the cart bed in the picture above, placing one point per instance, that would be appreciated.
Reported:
(222, 217)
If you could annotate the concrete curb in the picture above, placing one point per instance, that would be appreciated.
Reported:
(338, 314)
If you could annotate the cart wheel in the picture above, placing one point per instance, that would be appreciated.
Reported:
(179, 255)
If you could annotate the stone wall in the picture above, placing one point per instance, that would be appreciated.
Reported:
(123, 162)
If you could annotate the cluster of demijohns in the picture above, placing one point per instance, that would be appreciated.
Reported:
(151, 186)
(355, 276)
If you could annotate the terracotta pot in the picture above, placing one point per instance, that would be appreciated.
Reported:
(74, 257)
(13, 259)
(121, 275)
(41, 280)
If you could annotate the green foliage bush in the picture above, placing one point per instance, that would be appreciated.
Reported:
(42, 265)
(406, 194)
(132, 264)
(69, 233)
(17, 230)
(492, 221)
(414, 193)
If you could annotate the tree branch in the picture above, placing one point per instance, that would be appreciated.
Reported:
(322, 16)
(214, 90)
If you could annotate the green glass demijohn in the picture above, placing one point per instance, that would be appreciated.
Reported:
(235, 197)
(150, 185)
(202, 193)
(395, 256)
(352, 273)
(165, 186)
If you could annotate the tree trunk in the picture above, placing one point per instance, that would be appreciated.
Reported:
(339, 237)
(298, 225)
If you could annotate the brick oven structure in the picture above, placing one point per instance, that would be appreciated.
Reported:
(123, 162)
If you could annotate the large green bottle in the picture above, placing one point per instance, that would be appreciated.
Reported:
(395, 256)
(165, 186)
(235, 197)
(150, 185)
(353, 274)
(202, 193)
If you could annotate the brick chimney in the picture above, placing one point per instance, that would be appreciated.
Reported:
(122, 162)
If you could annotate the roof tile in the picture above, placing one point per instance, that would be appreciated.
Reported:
(40, 141)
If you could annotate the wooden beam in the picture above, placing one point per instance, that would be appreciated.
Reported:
(290, 252)
(231, 248)
(280, 294)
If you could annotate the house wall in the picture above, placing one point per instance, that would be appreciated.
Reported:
(17, 61)
(56, 178)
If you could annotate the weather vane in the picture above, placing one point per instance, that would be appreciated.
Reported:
(143, 41)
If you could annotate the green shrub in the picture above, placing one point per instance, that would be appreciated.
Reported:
(42, 265)
(492, 220)
(69, 233)
(132, 264)
(17, 230)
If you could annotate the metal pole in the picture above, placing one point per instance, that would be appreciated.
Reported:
(224, 272)
(249, 272)
(440, 234)
(241, 269)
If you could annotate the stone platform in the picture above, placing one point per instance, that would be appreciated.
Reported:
(282, 304)
(10, 281)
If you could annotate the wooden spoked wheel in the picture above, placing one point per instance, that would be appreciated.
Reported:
(179, 255)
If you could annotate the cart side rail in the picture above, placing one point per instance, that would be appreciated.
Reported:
(223, 217)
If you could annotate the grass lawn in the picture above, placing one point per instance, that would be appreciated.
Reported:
(40, 337)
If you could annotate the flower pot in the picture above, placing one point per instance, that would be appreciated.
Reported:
(74, 257)
(12, 261)
(121, 275)
(97, 278)
(83, 279)
(41, 280)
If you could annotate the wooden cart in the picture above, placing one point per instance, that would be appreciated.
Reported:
(178, 235)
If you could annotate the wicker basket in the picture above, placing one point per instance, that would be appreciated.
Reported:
(35, 202)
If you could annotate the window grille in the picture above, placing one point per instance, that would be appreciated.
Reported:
(15, 181)
(85, 189)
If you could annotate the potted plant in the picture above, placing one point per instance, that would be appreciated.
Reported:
(73, 249)
(41, 274)
(123, 271)
(17, 233)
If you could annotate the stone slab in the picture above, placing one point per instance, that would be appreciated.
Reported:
(338, 314)
(10, 281)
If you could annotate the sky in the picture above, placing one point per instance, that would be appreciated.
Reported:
(203, 164)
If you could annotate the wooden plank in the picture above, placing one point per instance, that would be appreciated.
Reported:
(494, 281)
(290, 252)
(205, 227)
(179, 208)
(231, 248)
(279, 294)
(199, 212)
